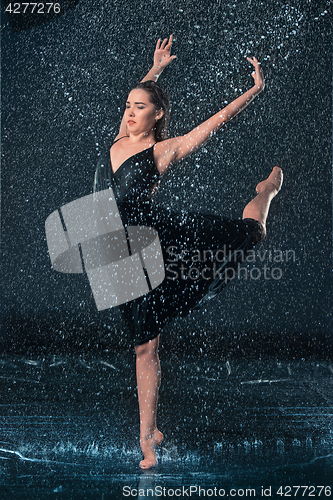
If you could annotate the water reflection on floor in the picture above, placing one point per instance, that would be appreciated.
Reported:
(69, 428)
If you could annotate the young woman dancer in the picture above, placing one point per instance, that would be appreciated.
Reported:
(140, 155)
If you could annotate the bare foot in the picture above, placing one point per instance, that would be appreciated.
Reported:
(273, 182)
(148, 447)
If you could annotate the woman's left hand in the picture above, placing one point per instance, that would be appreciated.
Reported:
(257, 74)
(162, 56)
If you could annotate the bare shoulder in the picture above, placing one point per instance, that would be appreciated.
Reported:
(164, 154)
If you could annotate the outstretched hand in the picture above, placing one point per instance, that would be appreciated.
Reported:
(257, 74)
(162, 54)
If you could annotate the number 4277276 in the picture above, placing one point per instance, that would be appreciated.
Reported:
(33, 8)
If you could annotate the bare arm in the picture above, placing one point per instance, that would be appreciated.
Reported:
(177, 148)
(162, 58)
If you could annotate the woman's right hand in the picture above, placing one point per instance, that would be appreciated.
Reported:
(162, 54)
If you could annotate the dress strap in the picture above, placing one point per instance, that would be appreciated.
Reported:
(123, 137)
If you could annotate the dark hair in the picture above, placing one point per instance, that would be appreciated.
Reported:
(158, 97)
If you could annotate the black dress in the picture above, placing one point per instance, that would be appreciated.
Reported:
(201, 252)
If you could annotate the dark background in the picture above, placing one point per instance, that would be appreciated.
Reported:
(64, 83)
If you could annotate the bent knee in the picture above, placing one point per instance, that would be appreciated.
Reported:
(147, 347)
(140, 350)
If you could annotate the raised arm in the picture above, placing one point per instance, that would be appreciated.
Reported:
(162, 58)
(177, 148)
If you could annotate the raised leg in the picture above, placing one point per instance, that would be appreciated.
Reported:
(258, 208)
(148, 374)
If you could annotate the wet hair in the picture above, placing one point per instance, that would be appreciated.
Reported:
(158, 97)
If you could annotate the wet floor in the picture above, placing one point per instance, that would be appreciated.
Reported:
(237, 428)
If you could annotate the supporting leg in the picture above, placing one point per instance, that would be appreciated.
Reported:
(148, 374)
(258, 208)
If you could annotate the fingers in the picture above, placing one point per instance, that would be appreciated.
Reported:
(257, 74)
(165, 45)
(257, 66)
(253, 61)
(169, 42)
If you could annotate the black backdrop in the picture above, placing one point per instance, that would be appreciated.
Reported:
(63, 87)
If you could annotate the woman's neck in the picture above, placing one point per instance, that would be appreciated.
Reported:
(144, 138)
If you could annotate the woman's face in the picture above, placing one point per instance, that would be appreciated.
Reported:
(141, 114)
